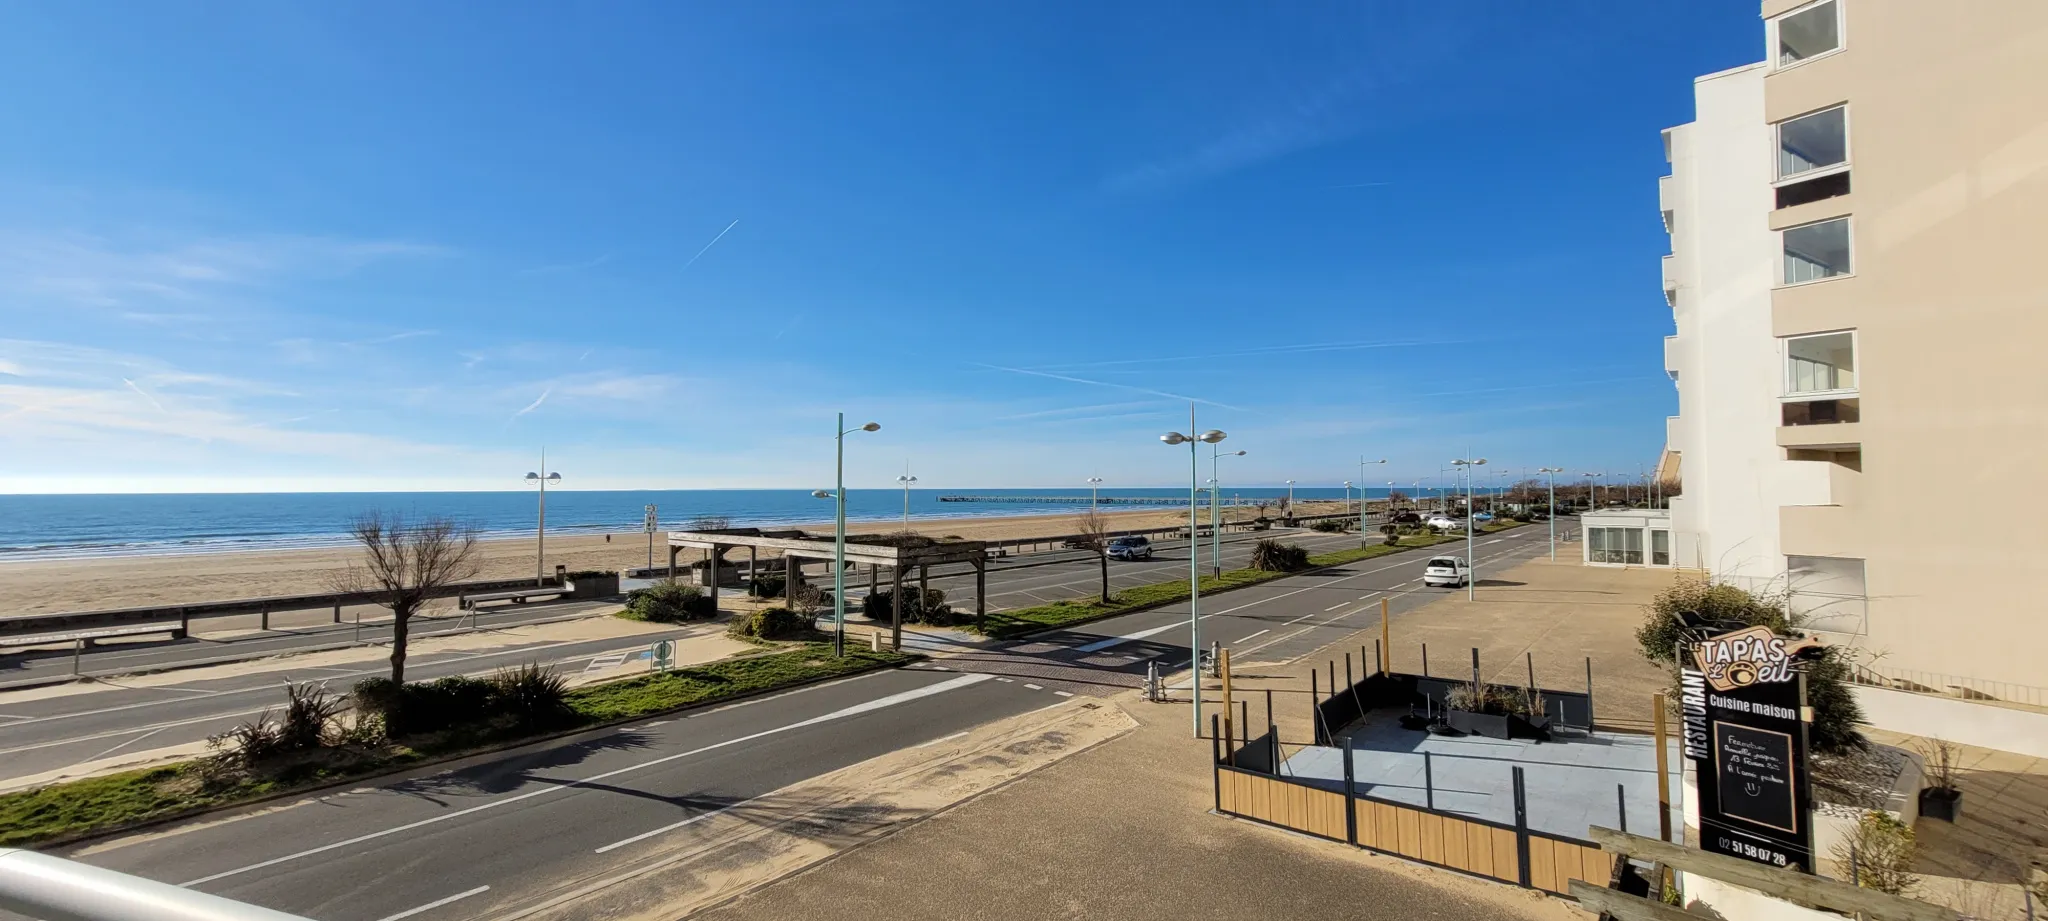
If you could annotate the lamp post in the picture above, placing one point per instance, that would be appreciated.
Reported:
(1362, 462)
(540, 531)
(907, 480)
(1471, 554)
(838, 494)
(1593, 490)
(1093, 483)
(1211, 436)
(1215, 500)
(1290, 500)
(1552, 514)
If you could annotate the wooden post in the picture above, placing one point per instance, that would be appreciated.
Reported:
(266, 617)
(1663, 769)
(672, 551)
(1475, 668)
(1425, 660)
(924, 571)
(1428, 781)
(337, 612)
(1350, 793)
(1229, 718)
(1530, 657)
(711, 574)
(1386, 636)
(1621, 806)
(1589, 694)
(874, 570)
(792, 573)
(896, 608)
(1315, 713)
(753, 568)
(1522, 826)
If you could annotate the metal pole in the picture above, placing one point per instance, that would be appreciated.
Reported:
(1215, 499)
(839, 544)
(1621, 806)
(1194, 573)
(540, 534)
(1551, 515)
(1428, 781)
(1471, 551)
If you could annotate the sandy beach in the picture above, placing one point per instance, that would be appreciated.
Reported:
(134, 581)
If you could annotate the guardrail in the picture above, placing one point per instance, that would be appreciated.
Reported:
(73, 623)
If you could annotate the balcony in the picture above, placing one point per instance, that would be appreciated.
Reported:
(1820, 530)
(1843, 436)
(1815, 483)
(1674, 356)
(1667, 199)
(1671, 280)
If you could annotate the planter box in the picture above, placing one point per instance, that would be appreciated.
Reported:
(1946, 805)
(1478, 724)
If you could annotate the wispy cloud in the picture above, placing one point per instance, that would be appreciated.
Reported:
(1072, 411)
(530, 407)
(1083, 380)
(394, 337)
(714, 242)
(1548, 384)
(93, 271)
(1264, 350)
(1302, 122)
(144, 394)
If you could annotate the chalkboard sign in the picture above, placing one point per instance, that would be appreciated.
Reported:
(1743, 700)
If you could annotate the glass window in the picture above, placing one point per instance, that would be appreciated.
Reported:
(1812, 31)
(1660, 548)
(1820, 364)
(1812, 142)
(1596, 545)
(1817, 251)
(1633, 553)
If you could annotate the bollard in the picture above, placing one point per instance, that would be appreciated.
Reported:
(77, 652)
(875, 641)
(337, 612)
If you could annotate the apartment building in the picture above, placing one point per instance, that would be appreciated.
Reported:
(1859, 282)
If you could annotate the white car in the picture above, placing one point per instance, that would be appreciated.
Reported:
(1447, 571)
(1444, 522)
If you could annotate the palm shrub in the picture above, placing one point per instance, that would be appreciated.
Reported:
(1878, 853)
(1393, 533)
(669, 602)
(1836, 714)
(308, 722)
(534, 695)
(1330, 525)
(1273, 556)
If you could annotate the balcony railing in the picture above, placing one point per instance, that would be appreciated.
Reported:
(1820, 412)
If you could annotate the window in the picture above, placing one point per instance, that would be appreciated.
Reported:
(1660, 548)
(1816, 251)
(1809, 33)
(1615, 545)
(1813, 142)
(1596, 545)
(1633, 549)
(1826, 593)
(1823, 364)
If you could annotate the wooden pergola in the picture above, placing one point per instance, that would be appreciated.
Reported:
(899, 555)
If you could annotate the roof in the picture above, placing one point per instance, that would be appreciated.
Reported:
(1619, 515)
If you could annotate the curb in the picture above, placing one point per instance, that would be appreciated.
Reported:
(439, 763)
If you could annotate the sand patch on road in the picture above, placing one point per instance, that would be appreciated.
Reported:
(755, 842)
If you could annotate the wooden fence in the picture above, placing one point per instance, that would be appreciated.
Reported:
(1505, 853)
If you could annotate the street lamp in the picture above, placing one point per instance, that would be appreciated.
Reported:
(1593, 490)
(1361, 497)
(1471, 553)
(540, 533)
(1290, 501)
(906, 479)
(838, 493)
(1553, 472)
(1093, 483)
(1215, 500)
(1211, 436)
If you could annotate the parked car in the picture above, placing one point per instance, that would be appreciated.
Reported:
(1130, 548)
(1075, 543)
(1482, 517)
(1407, 516)
(1446, 571)
(1444, 522)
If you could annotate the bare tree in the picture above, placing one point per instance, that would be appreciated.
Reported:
(406, 563)
(1095, 536)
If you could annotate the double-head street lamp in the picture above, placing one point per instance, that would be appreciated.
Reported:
(1552, 472)
(1362, 462)
(907, 480)
(1094, 483)
(839, 533)
(1592, 489)
(1216, 499)
(540, 534)
(1471, 553)
(1211, 436)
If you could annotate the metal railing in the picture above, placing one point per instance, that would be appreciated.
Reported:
(55, 889)
(1957, 686)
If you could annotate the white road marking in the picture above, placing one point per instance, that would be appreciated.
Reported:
(437, 903)
(1337, 605)
(1036, 687)
(1064, 693)
(675, 825)
(941, 739)
(1006, 680)
(122, 745)
(869, 706)
(1260, 633)
(1120, 640)
(115, 733)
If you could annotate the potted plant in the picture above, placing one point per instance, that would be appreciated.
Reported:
(1474, 709)
(1941, 798)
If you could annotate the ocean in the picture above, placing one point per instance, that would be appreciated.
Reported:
(43, 527)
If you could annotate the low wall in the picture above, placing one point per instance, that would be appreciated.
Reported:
(1970, 723)
(1728, 901)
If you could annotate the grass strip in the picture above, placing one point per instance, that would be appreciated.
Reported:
(1009, 624)
(81, 807)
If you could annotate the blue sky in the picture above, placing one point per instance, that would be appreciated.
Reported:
(250, 246)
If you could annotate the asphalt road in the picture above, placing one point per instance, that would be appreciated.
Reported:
(564, 810)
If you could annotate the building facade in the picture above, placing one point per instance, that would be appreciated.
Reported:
(1855, 226)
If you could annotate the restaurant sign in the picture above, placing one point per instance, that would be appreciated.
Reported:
(1743, 697)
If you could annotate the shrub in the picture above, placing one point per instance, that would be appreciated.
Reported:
(669, 602)
(1274, 556)
(1393, 533)
(534, 695)
(925, 607)
(1330, 525)
(1878, 854)
(766, 586)
(586, 574)
(772, 624)
(308, 721)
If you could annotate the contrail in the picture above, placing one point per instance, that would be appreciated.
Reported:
(714, 242)
(145, 395)
(530, 407)
(1083, 380)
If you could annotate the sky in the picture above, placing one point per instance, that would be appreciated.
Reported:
(277, 246)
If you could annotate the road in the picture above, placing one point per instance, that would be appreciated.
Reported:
(466, 843)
